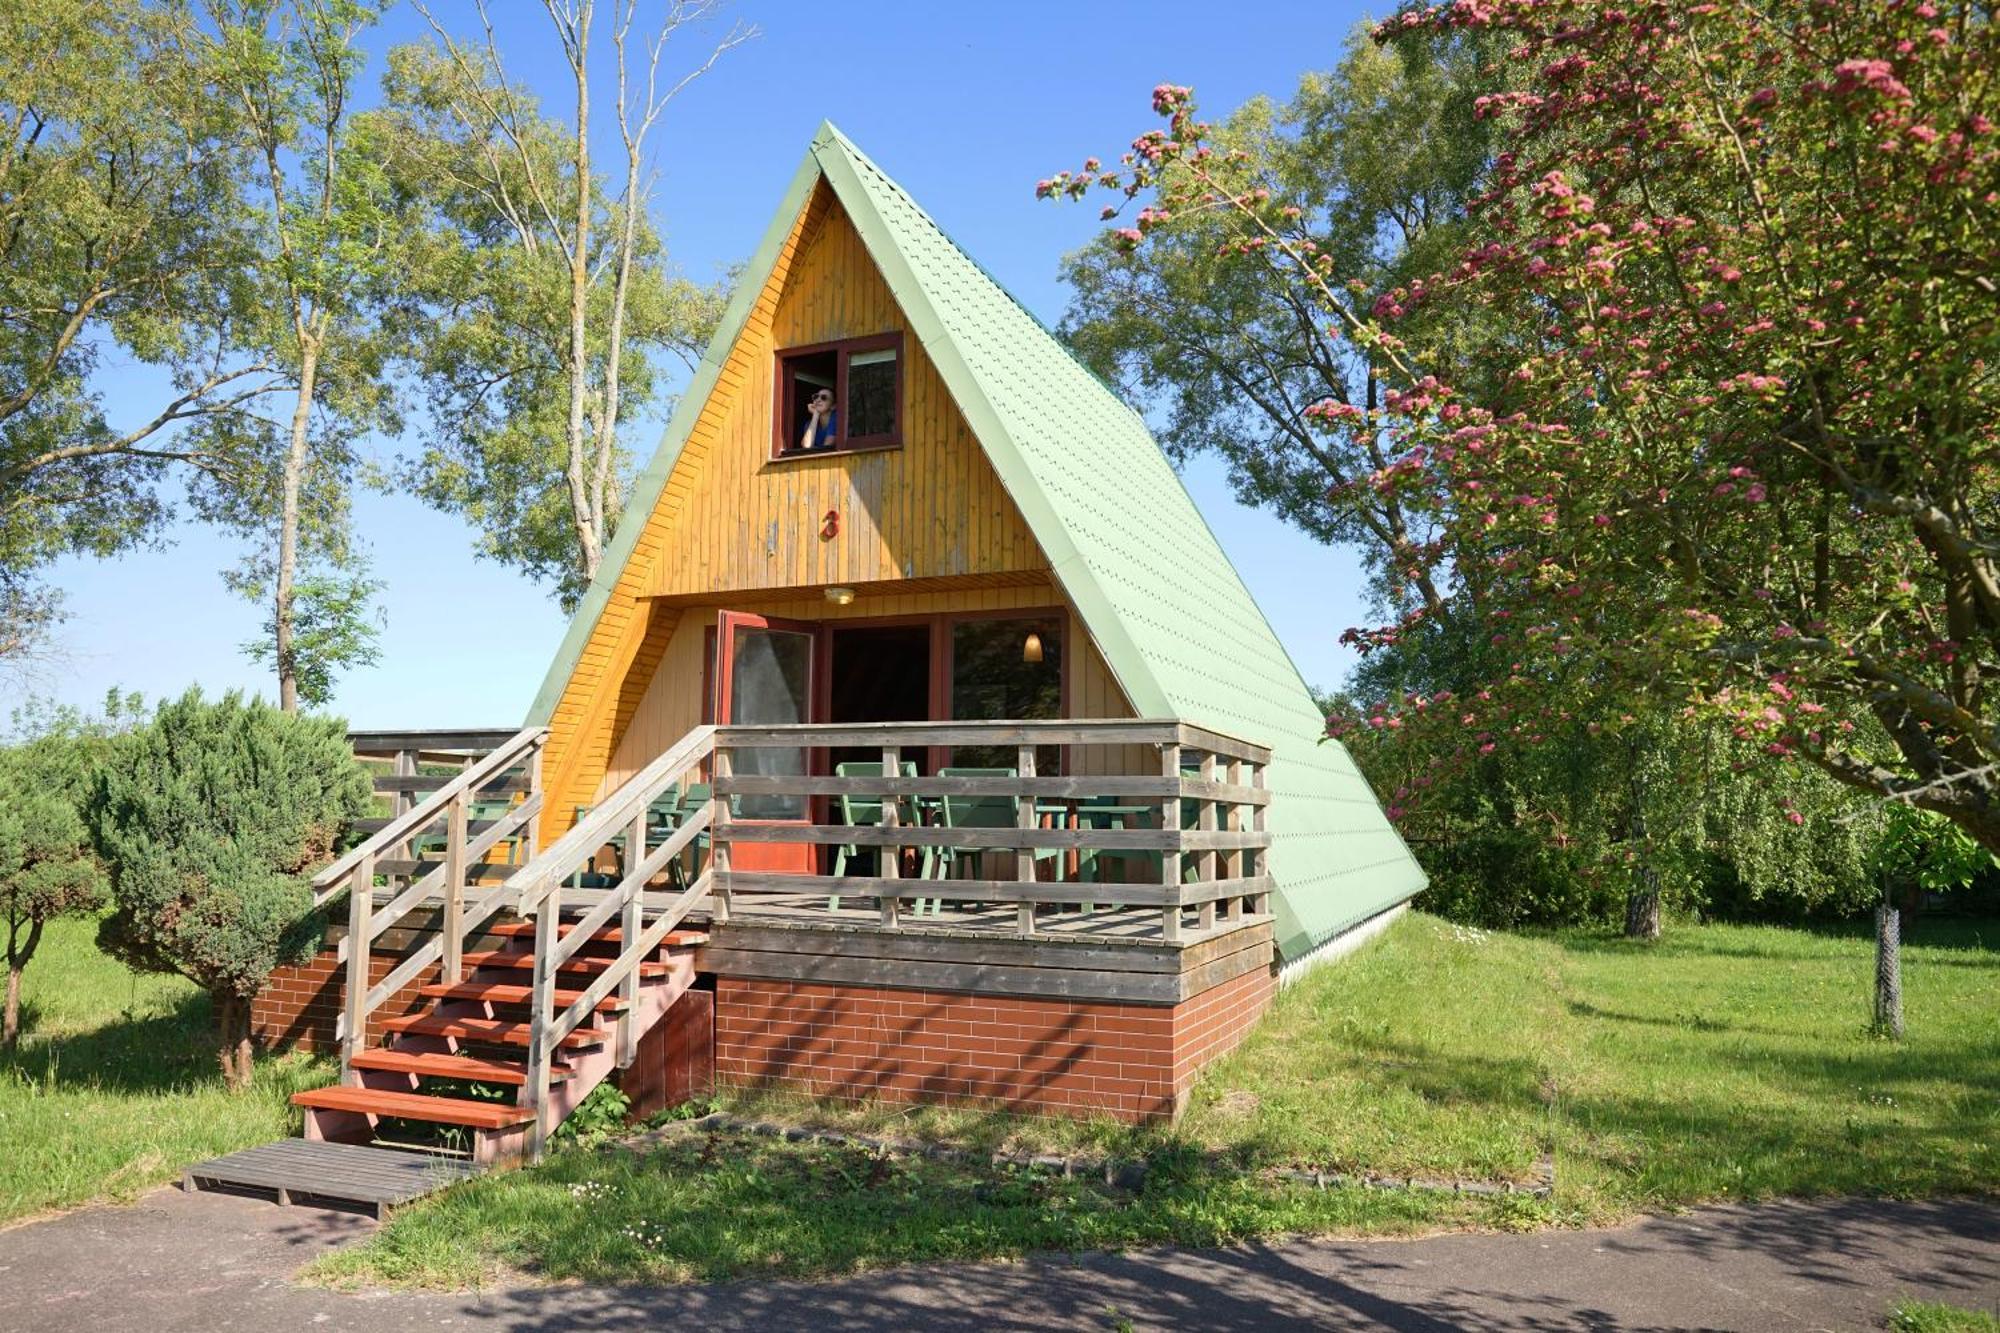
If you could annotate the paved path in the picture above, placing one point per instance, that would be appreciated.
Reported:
(176, 1262)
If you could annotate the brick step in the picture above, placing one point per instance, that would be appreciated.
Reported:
(502, 992)
(436, 1064)
(675, 939)
(525, 960)
(493, 1031)
(415, 1106)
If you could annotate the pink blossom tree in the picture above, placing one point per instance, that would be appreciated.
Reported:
(1739, 268)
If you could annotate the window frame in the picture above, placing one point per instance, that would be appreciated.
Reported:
(783, 449)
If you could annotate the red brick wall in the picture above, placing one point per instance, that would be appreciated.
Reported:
(1210, 1025)
(300, 1005)
(1078, 1057)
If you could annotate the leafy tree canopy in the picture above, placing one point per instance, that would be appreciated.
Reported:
(210, 818)
(1737, 264)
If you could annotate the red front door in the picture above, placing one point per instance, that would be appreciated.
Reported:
(764, 676)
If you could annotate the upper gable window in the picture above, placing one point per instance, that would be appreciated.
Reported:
(839, 396)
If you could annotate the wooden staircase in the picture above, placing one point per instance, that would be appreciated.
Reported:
(517, 1033)
(465, 1063)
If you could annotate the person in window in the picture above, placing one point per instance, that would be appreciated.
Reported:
(821, 422)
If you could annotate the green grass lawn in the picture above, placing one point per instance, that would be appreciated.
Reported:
(1724, 1062)
(115, 1087)
(1928, 1317)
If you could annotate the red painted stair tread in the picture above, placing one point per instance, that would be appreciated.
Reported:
(416, 1106)
(674, 939)
(501, 992)
(581, 963)
(437, 1064)
(494, 1030)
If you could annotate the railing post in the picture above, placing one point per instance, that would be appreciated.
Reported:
(890, 859)
(1170, 856)
(1024, 857)
(629, 926)
(1257, 860)
(1205, 860)
(454, 890)
(1238, 857)
(542, 1018)
(405, 801)
(354, 1018)
(531, 843)
(718, 837)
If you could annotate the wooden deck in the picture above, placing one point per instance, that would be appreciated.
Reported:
(377, 1178)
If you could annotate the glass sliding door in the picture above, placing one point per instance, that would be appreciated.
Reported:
(1009, 669)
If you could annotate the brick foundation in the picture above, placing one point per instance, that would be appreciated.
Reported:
(1075, 1057)
(300, 1005)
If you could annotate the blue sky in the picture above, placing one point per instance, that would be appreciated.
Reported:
(965, 106)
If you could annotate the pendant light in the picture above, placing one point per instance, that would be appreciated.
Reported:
(1031, 647)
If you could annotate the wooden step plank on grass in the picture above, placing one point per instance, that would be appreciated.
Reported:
(416, 1106)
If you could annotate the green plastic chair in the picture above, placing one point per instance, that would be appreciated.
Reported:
(866, 812)
(1153, 861)
(982, 812)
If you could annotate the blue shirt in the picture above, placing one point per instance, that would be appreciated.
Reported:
(823, 436)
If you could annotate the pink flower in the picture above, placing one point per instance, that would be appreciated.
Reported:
(1755, 495)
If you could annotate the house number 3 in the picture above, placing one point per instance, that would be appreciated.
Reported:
(829, 527)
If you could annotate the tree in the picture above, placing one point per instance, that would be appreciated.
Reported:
(46, 867)
(1378, 156)
(547, 291)
(329, 251)
(1742, 460)
(121, 231)
(211, 818)
(1918, 853)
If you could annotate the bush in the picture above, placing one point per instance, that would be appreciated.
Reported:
(211, 818)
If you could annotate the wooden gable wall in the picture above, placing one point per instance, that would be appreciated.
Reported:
(731, 520)
(932, 508)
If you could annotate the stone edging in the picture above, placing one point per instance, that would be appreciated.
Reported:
(1127, 1175)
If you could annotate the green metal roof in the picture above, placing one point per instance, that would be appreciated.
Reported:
(1162, 602)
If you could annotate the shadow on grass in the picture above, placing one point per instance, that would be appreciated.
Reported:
(151, 1053)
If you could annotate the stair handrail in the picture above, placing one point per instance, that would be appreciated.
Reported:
(611, 816)
(333, 878)
(538, 889)
(355, 872)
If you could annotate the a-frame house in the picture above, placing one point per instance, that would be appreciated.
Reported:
(940, 716)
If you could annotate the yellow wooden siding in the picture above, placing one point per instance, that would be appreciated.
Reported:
(924, 528)
(932, 508)
(582, 730)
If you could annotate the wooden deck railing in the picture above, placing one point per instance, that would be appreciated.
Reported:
(397, 850)
(537, 891)
(1198, 826)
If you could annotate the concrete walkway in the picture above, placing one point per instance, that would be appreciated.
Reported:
(214, 1261)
